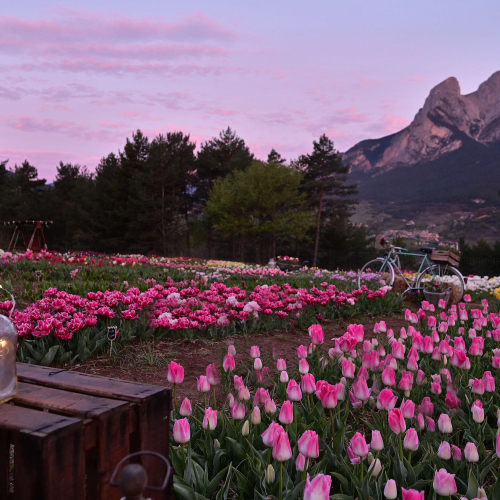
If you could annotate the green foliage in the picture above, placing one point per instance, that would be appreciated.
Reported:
(263, 202)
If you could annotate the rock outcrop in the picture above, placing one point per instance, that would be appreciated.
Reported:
(446, 120)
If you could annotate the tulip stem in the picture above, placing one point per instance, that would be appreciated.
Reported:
(183, 454)
(281, 480)
(175, 399)
(205, 395)
(215, 399)
(332, 423)
(401, 445)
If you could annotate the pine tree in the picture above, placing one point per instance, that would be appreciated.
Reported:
(326, 184)
(275, 157)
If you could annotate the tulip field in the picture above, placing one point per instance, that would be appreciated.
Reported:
(380, 412)
(412, 414)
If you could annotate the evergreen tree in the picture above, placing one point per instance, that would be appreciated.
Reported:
(326, 184)
(275, 157)
(217, 158)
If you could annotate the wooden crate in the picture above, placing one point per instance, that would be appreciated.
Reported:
(445, 256)
(116, 418)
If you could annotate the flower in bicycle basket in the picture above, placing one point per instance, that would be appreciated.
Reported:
(383, 241)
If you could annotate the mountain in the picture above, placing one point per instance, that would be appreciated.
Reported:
(447, 123)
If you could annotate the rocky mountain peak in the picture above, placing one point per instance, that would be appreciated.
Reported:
(440, 126)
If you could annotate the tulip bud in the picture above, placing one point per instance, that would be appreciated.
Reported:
(270, 406)
(391, 490)
(245, 430)
(375, 467)
(255, 416)
(300, 463)
(257, 364)
(481, 493)
(284, 377)
(370, 458)
(216, 444)
(270, 474)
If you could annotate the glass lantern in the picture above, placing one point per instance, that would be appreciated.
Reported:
(8, 348)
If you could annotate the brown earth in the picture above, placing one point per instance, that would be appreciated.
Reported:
(147, 361)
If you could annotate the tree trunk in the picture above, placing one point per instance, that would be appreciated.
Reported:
(318, 225)
(188, 234)
(163, 220)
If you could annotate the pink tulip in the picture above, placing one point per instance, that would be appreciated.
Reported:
(412, 364)
(308, 383)
(386, 400)
(497, 448)
(229, 363)
(377, 442)
(213, 375)
(238, 410)
(281, 365)
(444, 424)
(261, 396)
(302, 351)
(269, 434)
(411, 440)
(391, 490)
(328, 395)
(359, 446)
(431, 425)
(210, 419)
(348, 369)
(398, 350)
(357, 331)
(255, 416)
(300, 463)
(420, 421)
(203, 384)
(470, 452)
(408, 408)
(436, 388)
(406, 382)
(237, 382)
(284, 377)
(303, 366)
(257, 364)
(308, 444)
(478, 386)
(360, 389)
(444, 451)
(286, 413)
(389, 376)
(254, 352)
(397, 421)
(317, 334)
(444, 483)
(420, 377)
(457, 453)
(281, 449)
(427, 406)
(182, 431)
(270, 406)
(175, 373)
(231, 350)
(318, 488)
(412, 494)
(477, 411)
(186, 409)
(293, 391)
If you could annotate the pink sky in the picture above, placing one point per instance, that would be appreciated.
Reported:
(76, 82)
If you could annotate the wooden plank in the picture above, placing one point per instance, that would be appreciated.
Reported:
(108, 430)
(68, 403)
(4, 464)
(49, 458)
(85, 383)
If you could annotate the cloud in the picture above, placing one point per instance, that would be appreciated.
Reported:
(389, 124)
(24, 123)
(417, 79)
(92, 42)
(349, 115)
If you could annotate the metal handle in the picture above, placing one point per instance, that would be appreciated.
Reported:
(113, 481)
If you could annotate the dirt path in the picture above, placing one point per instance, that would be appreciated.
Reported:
(147, 361)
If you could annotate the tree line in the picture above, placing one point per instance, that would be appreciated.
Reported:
(162, 197)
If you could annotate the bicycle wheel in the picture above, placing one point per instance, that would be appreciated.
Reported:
(444, 273)
(376, 274)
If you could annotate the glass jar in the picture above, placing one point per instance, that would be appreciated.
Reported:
(8, 348)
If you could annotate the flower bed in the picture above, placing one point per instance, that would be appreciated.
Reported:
(64, 327)
(410, 414)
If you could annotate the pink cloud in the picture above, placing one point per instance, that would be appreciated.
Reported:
(417, 79)
(349, 115)
(71, 25)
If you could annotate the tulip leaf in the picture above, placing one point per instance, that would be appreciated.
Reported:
(212, 485)
(183, 492)
(298, 490)
(342, 479)
(224, 491)
(495, 491)
(237, 450)
(472, 486)
(36, 355)
(339, 496)
(49, 357)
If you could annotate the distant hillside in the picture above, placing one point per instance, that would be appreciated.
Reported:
(448, 121)
(471, 172)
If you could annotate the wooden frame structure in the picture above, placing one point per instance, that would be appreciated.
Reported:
(37, 240)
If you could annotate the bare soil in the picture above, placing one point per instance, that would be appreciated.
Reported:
(147, 362)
